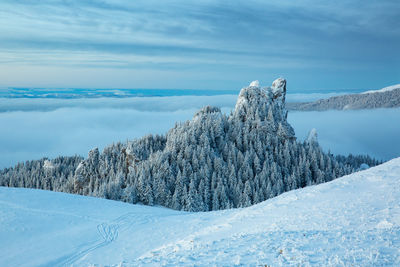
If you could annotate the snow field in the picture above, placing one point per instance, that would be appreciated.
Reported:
(353, 220)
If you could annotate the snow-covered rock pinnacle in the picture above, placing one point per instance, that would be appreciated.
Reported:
(265, 106)
(278, 89)
(255, 83)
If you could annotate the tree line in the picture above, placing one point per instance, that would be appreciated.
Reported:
(214, 161)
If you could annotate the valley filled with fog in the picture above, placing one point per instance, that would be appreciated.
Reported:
(37, 127)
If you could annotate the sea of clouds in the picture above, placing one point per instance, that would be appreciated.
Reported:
(374, 132)
(36, 128)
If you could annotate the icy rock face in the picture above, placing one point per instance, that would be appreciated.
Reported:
(278, 89)
(265, 106)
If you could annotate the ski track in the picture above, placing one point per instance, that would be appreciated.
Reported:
(108, 233)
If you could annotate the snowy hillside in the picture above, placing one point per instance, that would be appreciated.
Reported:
(386, 89)
(388, 97)
(354, 220)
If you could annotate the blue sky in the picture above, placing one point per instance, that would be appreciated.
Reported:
(199, 44)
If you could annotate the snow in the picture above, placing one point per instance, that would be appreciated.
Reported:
(255, 83)
(278, 87)
(312, 136)
(353, 220)
(386, 89)
(241, 101)
(80, 166)
(48, 165)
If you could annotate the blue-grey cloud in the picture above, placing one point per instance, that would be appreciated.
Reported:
(347, 43)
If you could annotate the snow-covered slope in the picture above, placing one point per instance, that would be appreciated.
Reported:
(354, 220)
(386, 89)
(388, 97)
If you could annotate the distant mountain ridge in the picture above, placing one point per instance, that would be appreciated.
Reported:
(388, 97)
(385, 89)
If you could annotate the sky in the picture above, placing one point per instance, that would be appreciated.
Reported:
(203, 44)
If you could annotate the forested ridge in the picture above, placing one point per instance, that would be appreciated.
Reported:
(367, 100)
(214, 161)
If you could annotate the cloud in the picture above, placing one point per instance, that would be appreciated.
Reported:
(69, 131)
(36, 128)
(151, 104)
(374, 132)
(222, 42)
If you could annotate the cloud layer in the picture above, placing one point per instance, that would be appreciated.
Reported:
(76, 126)
(374, 132)
(199, 44)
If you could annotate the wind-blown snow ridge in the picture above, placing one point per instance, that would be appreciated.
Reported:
(351, 221)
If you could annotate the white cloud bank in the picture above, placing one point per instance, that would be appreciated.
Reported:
(67, 127)
(374, 132)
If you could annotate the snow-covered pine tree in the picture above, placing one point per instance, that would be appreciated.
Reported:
(214, 161)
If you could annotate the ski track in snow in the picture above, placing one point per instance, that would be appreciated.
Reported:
(351, 221)
(108, 232)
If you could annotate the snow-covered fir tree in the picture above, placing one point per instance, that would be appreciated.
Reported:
(214, 161)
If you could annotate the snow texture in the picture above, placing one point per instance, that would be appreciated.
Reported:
(278, 88)
(385, 89)
(351, 221)
(257, 101)
(312, 136)
(48, 165)
(388, 97)
(255, 83)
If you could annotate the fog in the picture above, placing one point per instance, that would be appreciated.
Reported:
(374, 132)
(154, 104)
(170, 103)
(36, 128)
